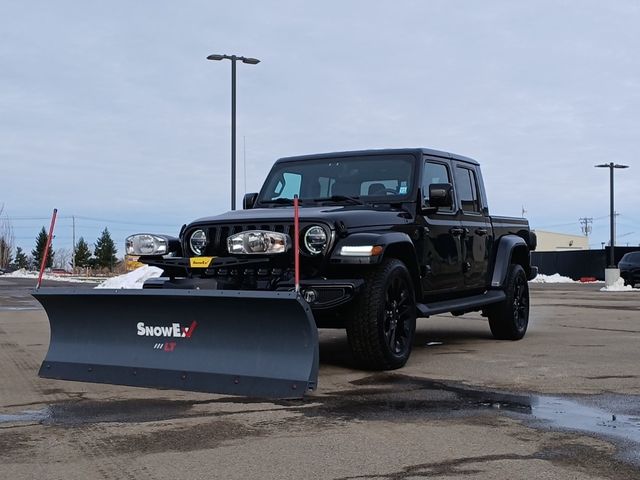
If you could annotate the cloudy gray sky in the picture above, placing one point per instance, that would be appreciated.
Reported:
(110, 112)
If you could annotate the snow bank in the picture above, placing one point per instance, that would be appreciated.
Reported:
(133, 279)
(23, 273)
(555, 278)
(618, 286)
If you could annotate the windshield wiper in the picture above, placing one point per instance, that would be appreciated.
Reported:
(282, 201)
(340, 198)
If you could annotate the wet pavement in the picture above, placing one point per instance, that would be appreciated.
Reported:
(380, 396)
(563, 403)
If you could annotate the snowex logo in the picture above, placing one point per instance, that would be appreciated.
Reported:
(175, 330)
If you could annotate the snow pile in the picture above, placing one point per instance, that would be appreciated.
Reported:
(134, 279)
(555, 278)
(618, 286)
(23, 273)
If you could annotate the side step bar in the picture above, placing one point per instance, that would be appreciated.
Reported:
(467, 303)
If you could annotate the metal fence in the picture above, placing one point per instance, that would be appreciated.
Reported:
(577, 264)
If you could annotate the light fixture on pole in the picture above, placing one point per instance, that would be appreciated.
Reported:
(611, 166)
(234, 59)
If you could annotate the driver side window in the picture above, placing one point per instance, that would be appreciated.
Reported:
(288, 186)
(434, 173)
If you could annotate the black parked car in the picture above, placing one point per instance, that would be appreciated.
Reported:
(630, 268)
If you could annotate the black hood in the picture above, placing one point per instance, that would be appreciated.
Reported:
(353, 216)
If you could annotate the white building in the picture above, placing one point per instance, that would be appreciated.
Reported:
(559, 242)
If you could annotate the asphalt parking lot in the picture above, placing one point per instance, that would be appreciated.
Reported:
(562, 403)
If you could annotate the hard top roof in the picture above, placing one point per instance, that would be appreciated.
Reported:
(384, 151)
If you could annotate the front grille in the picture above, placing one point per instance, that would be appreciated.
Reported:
(218, 234)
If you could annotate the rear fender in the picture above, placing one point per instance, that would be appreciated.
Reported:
(511, 249)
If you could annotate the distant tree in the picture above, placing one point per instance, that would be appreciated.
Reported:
(105, 251)
(5, 253)
(6, 239)
(62, 258)
(38, 252)
(82, 253)
(21, 260)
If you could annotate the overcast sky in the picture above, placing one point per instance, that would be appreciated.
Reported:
(110, 112)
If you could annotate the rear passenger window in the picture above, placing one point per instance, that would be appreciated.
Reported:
(466, 187)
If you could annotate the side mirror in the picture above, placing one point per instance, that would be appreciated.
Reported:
(440, 195)
(249, 200)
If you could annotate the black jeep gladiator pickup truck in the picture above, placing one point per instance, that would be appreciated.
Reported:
(385, 236)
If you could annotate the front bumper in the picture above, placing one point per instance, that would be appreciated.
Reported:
(250, 275)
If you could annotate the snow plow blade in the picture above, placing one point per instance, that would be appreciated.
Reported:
(257, 344)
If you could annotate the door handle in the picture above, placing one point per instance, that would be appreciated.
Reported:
(456, 231)
(481, 231)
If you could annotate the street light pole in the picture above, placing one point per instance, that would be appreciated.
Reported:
(611, 166)
(234, 59)
(233, 132)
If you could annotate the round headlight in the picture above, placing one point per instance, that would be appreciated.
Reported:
(146, 244)
(315, 239)
(198, 241)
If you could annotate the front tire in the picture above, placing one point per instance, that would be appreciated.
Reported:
(382, 325)
(509, 319)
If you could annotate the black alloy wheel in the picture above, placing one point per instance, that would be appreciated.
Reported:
(521, 303)
(509, 319)
(398, 315)
(382, 322)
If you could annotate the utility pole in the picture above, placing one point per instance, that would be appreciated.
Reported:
(73, 250)
(585, 223)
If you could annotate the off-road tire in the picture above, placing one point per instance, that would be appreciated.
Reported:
(509, 319)
(385, 308)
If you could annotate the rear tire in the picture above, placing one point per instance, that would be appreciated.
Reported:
(509, 319)
(383, 322)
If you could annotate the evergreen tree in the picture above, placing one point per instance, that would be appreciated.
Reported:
(38, 252)
(82, 254)
(21, 259)
(105, 251)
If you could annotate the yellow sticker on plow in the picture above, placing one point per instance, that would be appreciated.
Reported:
(200, 262)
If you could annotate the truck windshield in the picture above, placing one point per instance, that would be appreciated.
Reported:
(386, 178)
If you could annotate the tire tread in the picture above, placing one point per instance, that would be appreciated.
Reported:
(363, 331)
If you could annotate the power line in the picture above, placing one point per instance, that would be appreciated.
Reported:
(122, 222)
(94, 219)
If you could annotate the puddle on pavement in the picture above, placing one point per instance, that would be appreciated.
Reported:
(380, 396)
(26, 416)
(395, 395)
(81, 412)
(17, 309)
(570, 415)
